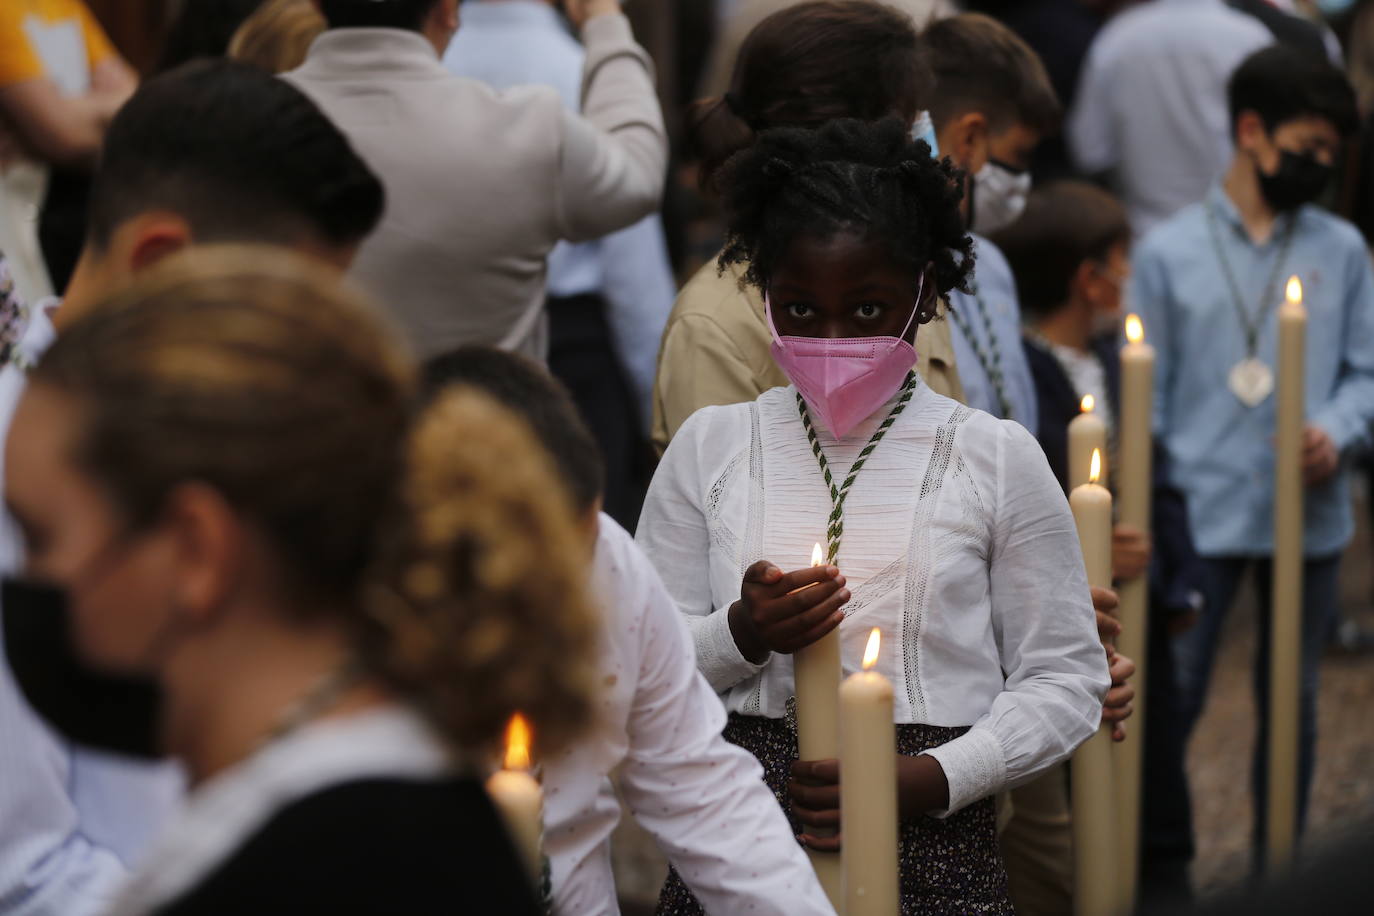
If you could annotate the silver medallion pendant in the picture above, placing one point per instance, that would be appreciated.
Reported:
(1251, 381)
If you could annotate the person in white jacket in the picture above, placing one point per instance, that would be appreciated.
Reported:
(702, 799)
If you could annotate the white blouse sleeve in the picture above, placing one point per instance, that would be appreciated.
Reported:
(1054, 664)
(672, 531)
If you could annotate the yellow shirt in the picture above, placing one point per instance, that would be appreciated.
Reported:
(715, 351)
(58, 40)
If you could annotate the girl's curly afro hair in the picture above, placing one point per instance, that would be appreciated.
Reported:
(857, 176)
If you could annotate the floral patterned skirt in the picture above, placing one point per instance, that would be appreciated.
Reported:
(949, 867)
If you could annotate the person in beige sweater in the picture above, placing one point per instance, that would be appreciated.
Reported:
(800, 67)
(482, 184)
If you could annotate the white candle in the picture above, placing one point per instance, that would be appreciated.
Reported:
(1094, 802)
(816, 671)
(1092, 514)
(1087, 433)
(519, 798)
(1135, 486)
(1285, 641)
(868, 791)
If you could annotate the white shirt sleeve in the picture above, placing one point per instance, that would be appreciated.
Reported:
(1046, 631)
(614, 156)
(702, 798)
(48, 867)
(672, 532)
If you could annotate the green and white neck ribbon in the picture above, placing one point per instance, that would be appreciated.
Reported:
(835, 528)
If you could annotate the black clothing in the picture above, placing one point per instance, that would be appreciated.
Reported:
(375, 847)
(582, 356)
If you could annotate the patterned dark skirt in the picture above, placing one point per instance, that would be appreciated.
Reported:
(949, 867)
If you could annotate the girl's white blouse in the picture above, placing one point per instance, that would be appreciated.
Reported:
(958, 544)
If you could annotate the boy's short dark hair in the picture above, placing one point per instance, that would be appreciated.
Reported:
(1064, 224)
(376, 14)
(981, 65)
(528, 389)
(1281, 84)
(241, 155)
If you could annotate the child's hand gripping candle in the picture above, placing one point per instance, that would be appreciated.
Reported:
(868, 790)
(519, 798)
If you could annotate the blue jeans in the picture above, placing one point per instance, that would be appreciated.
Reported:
(1195, 652)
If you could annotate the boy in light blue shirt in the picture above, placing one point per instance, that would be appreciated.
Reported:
(1207, 283)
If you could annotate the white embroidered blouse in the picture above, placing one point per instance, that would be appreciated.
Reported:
(958, 543)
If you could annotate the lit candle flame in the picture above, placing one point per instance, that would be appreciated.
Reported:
(871, 652)
(518, 743)
(1135, 330)
(1095, 469)
(1295, 290)
(1089, 403)
(817, 556)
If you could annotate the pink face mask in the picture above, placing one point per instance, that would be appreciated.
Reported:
(844, 380)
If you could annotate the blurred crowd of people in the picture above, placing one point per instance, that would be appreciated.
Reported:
(375, 371)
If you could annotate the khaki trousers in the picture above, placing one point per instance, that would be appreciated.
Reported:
(1037, 846)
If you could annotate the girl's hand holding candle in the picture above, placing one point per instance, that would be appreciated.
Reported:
(1117, 708)
(815, 790)
(784, 612)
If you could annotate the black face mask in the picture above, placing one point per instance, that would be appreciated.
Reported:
(1299, 180)
(87, 707)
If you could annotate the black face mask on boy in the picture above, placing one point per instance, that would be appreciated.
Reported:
(1298, 180)
(114, 713)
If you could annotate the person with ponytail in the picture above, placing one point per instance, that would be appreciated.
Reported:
(800, 67)
(701, 798)
(244, 553)
(940, 524)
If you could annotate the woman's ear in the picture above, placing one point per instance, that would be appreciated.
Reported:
(210, 544)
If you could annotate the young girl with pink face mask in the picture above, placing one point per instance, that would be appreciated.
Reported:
(942, 526)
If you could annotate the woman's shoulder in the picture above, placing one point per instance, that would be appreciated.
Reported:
(372, 846)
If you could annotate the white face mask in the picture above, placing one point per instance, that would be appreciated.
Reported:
(999, 196)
